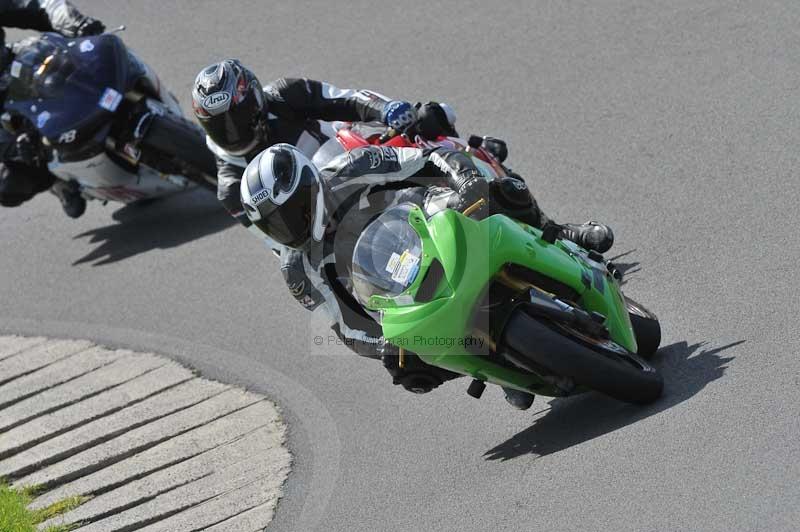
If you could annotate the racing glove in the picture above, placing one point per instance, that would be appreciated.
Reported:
(472, 190)
(399, 115)
(462, 177)
(66, 19)
(90, 26)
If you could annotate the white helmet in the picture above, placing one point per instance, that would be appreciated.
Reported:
(281, 195)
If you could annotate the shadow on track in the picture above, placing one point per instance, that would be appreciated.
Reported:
(574, 420)
(160, 224)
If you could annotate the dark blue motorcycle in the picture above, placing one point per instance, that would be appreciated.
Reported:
(107, 126)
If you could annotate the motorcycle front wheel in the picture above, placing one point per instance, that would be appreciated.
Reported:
(599, 364)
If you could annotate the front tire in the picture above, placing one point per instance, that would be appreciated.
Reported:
(600, 365)
(175, 145)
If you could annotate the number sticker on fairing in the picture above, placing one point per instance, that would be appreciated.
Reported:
(68, 137)
(403, 267)
(110, 100)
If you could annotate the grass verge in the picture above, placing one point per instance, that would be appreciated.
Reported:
(15, 516)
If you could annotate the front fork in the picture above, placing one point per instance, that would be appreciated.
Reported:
(537, 302)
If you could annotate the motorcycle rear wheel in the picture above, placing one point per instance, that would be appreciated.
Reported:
(598, 364)
(173, 144)
(645, 326)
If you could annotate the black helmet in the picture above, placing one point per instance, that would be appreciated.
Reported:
(281, 195)
(228, 102)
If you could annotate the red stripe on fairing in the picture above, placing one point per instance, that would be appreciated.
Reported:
(350, 140)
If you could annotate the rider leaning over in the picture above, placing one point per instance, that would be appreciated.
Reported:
(241, 118)
(21, 175)
(316, 217)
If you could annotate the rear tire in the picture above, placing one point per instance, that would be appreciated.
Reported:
(173, 144)
(646, 328)
(553, 347)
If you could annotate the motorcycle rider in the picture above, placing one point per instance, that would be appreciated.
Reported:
(241, 118)
(21, 176)
(317, 217)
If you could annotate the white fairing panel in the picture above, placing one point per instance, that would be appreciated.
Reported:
(310, 146)
(101, 178)
(330, 148)
(327, 152)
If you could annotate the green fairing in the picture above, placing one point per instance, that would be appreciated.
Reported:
(472, 253)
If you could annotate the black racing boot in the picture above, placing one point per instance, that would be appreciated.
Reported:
(591, 235)
(72, 202)
(519, 400)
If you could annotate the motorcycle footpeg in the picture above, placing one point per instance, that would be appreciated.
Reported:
(615, 272)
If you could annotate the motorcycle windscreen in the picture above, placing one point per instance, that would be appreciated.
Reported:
(61, 84)
(387, 255)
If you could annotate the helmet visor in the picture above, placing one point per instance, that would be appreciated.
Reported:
(235, 130)
(290, 224)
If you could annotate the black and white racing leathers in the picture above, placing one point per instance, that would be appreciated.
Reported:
(358, 186)
(298, 113)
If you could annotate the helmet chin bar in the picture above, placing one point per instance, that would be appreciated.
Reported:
(260, 134)
(247, 149)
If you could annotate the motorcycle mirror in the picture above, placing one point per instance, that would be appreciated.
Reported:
(116, 30)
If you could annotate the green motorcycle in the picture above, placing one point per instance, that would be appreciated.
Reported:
(505, 303)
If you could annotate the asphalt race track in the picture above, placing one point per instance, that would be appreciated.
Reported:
(676, 122)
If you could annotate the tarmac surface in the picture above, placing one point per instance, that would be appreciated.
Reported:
(675, 122)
